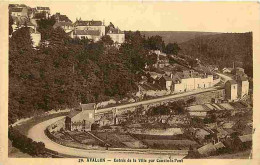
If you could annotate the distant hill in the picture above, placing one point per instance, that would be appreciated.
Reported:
(176, 36)
(222, 50)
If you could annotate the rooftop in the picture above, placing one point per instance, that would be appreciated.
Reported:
(42, 8)
(115, 31)
(245, 138)
(88, 23)
(206, 149)
(58, 24)
(197, 108)
(16, 9)
(90, 106)
(73, 113)
(232, 81)
(219, 145)
(87, 32)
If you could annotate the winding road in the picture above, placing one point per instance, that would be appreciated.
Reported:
(37, 134)
(198, 91)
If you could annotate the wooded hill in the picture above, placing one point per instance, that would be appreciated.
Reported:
(176, 36)
(222, 50)
(63, 72)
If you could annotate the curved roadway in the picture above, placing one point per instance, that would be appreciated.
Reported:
(156, 100)
(37, 134)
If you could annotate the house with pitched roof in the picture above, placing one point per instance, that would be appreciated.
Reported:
(45, 10)
(90, 26)
(244, 142)
(93, 35)
(61, 18)
(242, 86)
(19, 11)
(116, 35)
(66, 26)
(231, 90)
(207, 150)
(81, 118)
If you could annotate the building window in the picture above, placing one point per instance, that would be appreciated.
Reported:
(234, 87)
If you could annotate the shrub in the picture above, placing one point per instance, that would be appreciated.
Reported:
(25, 144)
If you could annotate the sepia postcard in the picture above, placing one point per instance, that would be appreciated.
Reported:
(129, 82)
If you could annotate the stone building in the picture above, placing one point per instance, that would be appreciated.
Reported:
(231, 90)
(116, 35)
(242, 87)
(19, 12)
(90, 26)
(237, 89)
(66, 26)
(81, 118)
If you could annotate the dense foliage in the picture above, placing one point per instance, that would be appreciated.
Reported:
(62, 72)
(176, 107)
(222, 50)
(25, 144)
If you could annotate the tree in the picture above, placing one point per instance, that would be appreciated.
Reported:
(155, 43)
(11, 22)
(45, 27)
(152, 59)
(106, 39)
(172, 48)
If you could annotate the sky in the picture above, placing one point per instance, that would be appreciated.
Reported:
(163, 16)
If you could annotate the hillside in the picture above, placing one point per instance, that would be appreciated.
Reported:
(176, 36)
(222, 50)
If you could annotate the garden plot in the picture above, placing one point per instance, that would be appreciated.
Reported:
(110, 138)
(170, 144)
(129, 141)
(85, 138)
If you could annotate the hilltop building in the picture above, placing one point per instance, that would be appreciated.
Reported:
(42, 10)
(93, 35)
(92, 30)
(66, 26)
(61, 18)
(19, 11)
(116, 35)
(90, 25)
(81, 118)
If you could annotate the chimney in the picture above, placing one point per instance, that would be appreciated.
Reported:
(171, 75)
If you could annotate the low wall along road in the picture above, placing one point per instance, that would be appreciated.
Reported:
(37, 134)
